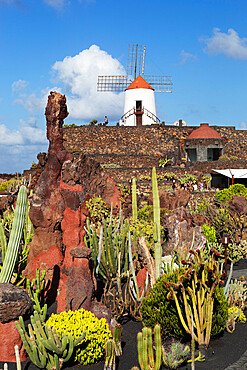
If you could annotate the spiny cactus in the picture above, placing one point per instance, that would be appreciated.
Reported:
(198, 298)
(157, 238)
(177, 354)
(113, 348)
(15, 236)
(134, 200)
(145, 349)
(110, 355)
(34, 289)
(43, 346)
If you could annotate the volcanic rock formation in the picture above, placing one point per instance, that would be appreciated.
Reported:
(58, 210)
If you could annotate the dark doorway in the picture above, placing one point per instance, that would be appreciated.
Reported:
(138, 105)
(192, 156)
(213, 154)
(138, 113)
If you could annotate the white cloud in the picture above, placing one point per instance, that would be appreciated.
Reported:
(56, 4)
(229, 44)
(243, 125)
(185, 57)
(27, 133)
(19, 85)
(33, 103)
(18, 148)
(9, 137)
(79, 76)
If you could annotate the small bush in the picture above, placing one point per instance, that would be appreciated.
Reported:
(99, 210)
(210, 233)
(223, 157)
(227, 194)
(92, 348)
(158, 309)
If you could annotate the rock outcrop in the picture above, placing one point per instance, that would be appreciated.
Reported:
(14, 302)
(180, 234)
(58, 210)
(171, 201)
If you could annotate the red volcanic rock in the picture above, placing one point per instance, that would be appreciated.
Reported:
(79, 288)
(14, 302)
(9, 337)
(58, 213)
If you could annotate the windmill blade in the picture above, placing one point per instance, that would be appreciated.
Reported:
(112, 83)
(136, 60)
(160, 83)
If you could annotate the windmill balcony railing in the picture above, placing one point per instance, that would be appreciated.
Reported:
(145, 111)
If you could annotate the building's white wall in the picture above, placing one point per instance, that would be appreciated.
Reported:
(148, 102)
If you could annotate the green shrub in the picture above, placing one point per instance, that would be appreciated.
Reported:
(34, 166)
(223, 157)
(158, 309)
(4, 185)
(70, 125)
(124, 189)
(98, 209)
(188, 179)
(234, 158)
(220, 315)
(227, 194)
(210, 233)
(92, 348)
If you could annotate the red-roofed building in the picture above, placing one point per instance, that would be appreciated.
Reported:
(204, 144)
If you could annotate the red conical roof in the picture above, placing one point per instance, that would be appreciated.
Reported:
(204, 132)
(139, 83)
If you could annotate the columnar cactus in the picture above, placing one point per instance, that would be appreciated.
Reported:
(34, 289)
(15, 236)
(43, 346)
(157, 238)
(145, 349)
(134, 200)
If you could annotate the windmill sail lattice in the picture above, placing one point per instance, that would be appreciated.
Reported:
(135, 67)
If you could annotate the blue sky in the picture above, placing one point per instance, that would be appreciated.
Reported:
(63, 45)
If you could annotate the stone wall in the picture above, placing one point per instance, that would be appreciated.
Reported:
(133, 151)
(144, 140)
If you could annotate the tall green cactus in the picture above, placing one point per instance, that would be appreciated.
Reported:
(145, 348)
(134, 200)
(157, 231)
(15, 236)
(3, 242)
(34, 289)
(43, 346)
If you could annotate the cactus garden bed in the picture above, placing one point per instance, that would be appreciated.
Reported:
(222, 352)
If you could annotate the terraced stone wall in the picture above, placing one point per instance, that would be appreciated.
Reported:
(145, 140)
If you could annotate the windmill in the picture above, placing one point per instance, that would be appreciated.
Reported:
(139, 106)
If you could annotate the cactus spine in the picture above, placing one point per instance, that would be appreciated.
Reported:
(156, 210)
(15, 236)
(43, 346)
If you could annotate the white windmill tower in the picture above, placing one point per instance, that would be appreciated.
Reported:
(139, 106)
